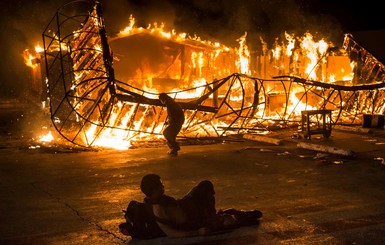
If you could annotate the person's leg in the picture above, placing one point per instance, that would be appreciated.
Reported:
(199, 204)
(204, 195)
(170, 134)
(244, 217)
(176, 129)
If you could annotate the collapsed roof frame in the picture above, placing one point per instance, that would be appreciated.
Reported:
(86, 101)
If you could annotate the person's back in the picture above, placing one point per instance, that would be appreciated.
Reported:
(174, 110)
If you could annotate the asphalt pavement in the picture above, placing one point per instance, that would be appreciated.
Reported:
(60, 194)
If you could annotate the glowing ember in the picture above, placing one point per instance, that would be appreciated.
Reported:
(30, 59)
(46, 138)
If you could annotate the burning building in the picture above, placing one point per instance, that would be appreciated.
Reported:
(104, 91)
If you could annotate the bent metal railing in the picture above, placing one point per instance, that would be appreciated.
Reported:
(87, 102)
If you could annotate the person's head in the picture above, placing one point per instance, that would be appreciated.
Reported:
(151, 185)
(163, 97)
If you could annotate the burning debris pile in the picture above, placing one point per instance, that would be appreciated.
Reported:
(103, 91)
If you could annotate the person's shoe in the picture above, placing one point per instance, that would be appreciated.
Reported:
(246, 218)
(173, 152)
(255, 214)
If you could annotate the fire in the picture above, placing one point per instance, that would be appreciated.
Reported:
(244, 55)
(127, 30)
(32, 58)
(151, 60)
(47, 138)
(297, 105)
(314, 51)
(154, 29)
(121, 139)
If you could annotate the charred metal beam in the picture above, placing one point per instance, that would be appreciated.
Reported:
(333, 86)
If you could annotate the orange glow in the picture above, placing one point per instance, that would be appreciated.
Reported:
(46, 138)
(244, 55)
(166, 61)
(30, 59)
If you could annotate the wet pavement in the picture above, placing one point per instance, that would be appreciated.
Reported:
(66, 195)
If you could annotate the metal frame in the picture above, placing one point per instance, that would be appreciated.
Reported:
(85, 97)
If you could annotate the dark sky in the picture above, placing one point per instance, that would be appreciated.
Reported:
(352, 15)
(23, 21)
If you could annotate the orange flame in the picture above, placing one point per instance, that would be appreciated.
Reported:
(300, 56)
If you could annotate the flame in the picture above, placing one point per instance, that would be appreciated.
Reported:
(39, 49)
(291, 43)
(296, 104)
(313, 50)
(304, 51)
(121, 139)
(29, 59)
(300, 56)
(244, 55)
(47, 138)
(32, 58)
(127, 30)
